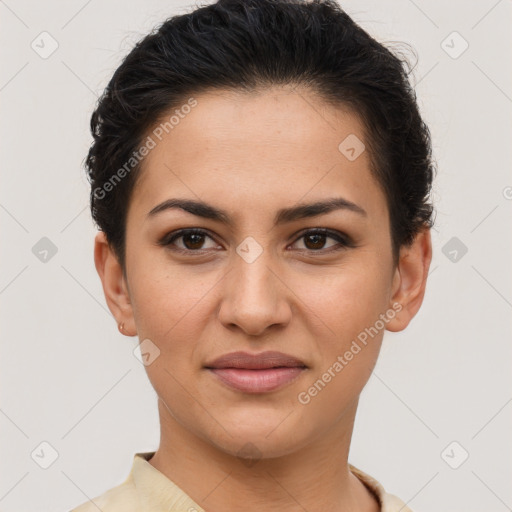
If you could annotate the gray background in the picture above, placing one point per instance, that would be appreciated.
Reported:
(68, 378)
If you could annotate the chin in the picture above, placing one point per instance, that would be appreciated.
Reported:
(267, 439)
(252, 448)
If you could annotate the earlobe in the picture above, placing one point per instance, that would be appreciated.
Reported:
(114, 284)
(410, 280)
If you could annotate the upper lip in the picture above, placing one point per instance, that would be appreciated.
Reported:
(262, 360)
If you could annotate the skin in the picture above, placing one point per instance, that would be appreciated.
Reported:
(251, 155)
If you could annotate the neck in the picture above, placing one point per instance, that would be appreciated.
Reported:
(315, 477)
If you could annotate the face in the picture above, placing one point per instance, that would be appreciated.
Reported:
(265, 275)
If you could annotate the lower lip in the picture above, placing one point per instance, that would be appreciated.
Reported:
(257, 381)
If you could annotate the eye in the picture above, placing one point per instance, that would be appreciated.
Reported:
(315, 239)
(192, 240)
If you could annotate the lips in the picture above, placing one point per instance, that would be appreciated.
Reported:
(256, 373)
(263, 360)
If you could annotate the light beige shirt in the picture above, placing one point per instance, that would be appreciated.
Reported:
(148, 490)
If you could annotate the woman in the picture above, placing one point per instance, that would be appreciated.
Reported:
(260, 176)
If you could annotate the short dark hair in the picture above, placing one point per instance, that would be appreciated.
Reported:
(254, 44)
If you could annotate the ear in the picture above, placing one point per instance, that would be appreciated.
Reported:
(410, 280)
(114, 284)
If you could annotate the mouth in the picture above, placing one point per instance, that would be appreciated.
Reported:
(256, 373)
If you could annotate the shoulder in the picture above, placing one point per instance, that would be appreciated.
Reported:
(388, 502)
(121, 498)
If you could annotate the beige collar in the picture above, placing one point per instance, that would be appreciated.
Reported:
(157, 492)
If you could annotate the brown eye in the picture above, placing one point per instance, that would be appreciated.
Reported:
(192, 240)
(315, 240)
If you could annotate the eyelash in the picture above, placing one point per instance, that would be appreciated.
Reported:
(344, 241)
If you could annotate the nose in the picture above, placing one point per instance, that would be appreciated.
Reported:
(254, 297)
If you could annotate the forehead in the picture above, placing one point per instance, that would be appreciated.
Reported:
(262, 149)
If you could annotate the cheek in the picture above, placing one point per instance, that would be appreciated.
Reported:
(348, 298)
(172, 308)
(348, 339)
(166, 299)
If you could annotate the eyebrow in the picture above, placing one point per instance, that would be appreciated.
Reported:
(301, 211)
